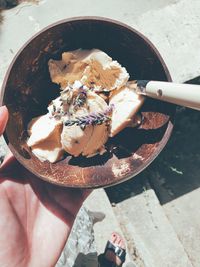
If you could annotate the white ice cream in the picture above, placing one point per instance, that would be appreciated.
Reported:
(107, 63)
(45, 138)
(80, 120)
(83, 64)
(126, 104)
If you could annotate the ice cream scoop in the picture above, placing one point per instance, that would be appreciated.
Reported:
(81, 119)
(89, 139)
(127, 103)
(89, 67)
(45, 140)
(77, 122)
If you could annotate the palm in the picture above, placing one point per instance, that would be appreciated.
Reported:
(36, 218)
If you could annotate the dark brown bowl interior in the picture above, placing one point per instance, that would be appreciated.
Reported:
(27, 91)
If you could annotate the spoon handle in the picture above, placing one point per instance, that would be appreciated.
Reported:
(187, 95)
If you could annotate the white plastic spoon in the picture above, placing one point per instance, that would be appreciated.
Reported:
(187, 95)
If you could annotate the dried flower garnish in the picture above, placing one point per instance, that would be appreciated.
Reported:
(66, 96)
(81, 98)
(74, 96)
(91, 119)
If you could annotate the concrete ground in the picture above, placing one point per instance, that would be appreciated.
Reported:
(161, 205)
(157, 211)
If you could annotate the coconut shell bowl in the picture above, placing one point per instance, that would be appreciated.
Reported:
(27, 91)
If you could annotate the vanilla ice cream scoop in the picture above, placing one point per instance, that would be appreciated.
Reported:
(100, 132)
(92, 67)
(127, 103)
(74, 137)
(86, 139)
(45, 140)
(94, 104)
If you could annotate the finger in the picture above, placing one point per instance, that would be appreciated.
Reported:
(3, 118)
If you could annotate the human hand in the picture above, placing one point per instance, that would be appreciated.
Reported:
(36, 217)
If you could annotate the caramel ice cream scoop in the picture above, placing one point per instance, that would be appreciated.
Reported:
(91, 67)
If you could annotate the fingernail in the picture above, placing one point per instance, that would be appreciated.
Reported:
(2, 109)
(3, 118)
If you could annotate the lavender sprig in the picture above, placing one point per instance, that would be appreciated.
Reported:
(97, 119)
(91, 119)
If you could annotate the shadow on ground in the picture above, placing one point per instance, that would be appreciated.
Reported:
(87, 260)
(176, 171)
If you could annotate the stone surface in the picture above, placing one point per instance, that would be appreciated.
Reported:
(174, 33)
(80, 248)
(174, 29)
(183, 214)
(175, 178)
(154, 241)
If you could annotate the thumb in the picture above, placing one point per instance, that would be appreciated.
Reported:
(3, 118)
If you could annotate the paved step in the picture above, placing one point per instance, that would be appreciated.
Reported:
(180, 195)
(174, 33)
(174, 29)
(183, 214)
(176, 180)
(152, 239)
